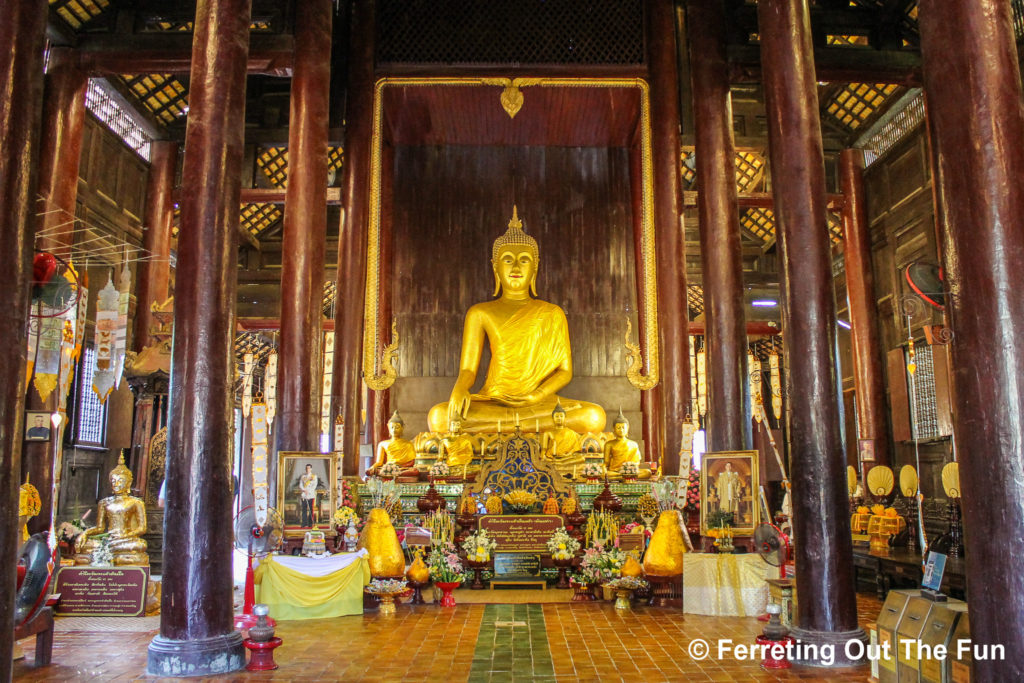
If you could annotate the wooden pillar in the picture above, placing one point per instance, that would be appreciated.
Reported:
(22, 31)
(300, 363)
(671, 261)
(197, 635)
(721, 250)
(153, 275)
(348, 338)
(379, 410)
(824, 554)
(60, 148)
(973, 88)
(868, 378)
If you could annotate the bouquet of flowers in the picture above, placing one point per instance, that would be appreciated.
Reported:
(479, 546)
(439, 469)
(520, 500)
(592, 470)
(348, 495)
(389, 470)
(629, 469)
(606, 564)
(562, 546)
(693, 491)
(588, 572)
(445, 564)
(346, 516)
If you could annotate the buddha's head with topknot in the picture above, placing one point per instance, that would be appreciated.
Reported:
(515, 258)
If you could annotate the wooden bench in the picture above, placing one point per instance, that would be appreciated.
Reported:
(40, 626)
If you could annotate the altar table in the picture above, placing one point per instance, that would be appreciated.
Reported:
(307, 588)
(726, 585)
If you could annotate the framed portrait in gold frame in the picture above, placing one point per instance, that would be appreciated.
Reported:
(729, 483)
(306, 484)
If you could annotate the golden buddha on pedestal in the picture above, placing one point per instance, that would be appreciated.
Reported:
(530, 355)
(396, 449)
(622, 449)
(562, 445)
(123, 518)
(457, 449)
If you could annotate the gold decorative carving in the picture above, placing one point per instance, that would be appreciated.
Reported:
(511, 97)
(387, 358)
(647, 277)
(635, 358)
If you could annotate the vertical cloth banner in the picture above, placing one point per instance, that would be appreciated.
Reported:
(776, 384)
(270, 388)
(106, 324)
(754, 364)
(702, 382)
(260, 479)
(247, 367)
(325, 400)
(121, 332)
(47, 352)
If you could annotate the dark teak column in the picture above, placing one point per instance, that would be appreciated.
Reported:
(824, 554)
(153, 276)
(972, 82)
(197, 636)
(671, 261)
(729, 426)
(868, 380)
(300, 364)
(348, 337)
(22, 31)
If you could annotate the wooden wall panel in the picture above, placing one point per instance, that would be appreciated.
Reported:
(451, 202)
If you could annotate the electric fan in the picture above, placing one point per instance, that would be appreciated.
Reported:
(55, 286)
(771, 544)
(255, 540)
(925, 279)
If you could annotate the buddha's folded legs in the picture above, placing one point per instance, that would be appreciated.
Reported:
(485, 414)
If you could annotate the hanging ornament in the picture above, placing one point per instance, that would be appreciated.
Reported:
(121, 333)
(754, 365)
(247, 364)
(106, 323)
(776, 384)
(325, 402)
(260, 478)
(339, 432)
(702, 382)
(270, 387)
(47, 351)
(80, 319)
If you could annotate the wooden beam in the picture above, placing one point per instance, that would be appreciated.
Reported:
(759, 200)
(838, 65)
(260, 195)
(257, 324)
(754, 328)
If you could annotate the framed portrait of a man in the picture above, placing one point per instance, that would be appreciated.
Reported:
(306, 482)
(728, 485)
(37, 426)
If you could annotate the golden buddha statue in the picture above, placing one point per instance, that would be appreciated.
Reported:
(562, 446)
(457, 449)
(530, 355)
(622, 449)
(396, 449)
(123, 518)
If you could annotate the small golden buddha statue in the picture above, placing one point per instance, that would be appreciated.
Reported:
(123, 518)
(396, 449)
(457, 449)
(562, 446)
(530, 355)
(622, 449)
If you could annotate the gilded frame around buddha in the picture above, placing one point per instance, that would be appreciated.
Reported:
(742, 489)
(291, 467)
(376, 359)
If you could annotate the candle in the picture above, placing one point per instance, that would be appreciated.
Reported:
(499, 426)
(538, 425)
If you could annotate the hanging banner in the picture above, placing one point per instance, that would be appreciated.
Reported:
(34, 323)
(247, 366)
(325, 402)
(776, 385)
(47, 352)
(270, 388)
(67, 359)
(260, 475)
(339, 432)
(702, 383)
(754, 364)
(80, 319)
(693, 381)
(106, 323)
(121, 333)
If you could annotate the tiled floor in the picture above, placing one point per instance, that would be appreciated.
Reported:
(475, 643)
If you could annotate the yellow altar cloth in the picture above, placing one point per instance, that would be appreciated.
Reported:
(309, 589)
(726, 585)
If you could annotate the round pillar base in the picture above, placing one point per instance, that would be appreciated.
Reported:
(201, 657)
(826, 648)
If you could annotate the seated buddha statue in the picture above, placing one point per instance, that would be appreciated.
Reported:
(530, 355)
(562, 446)
(396, 449)
(622, 449)
(123, 518)
(457, 449)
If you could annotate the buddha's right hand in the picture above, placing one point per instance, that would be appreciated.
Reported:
(458, 404)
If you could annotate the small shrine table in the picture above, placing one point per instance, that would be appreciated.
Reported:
(308, 588)
(726, 585)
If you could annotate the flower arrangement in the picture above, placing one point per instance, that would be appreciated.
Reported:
(562, 546)
(442, 527)
(389, 470)
(588, 572)
(348, 497)
(608, 563)
(602, 529)
(345, 516)
(520, 500)
(479, 546)
(592, 470)
(445, 564)
(101, 554)
(629, 469)
(439, 469)
(693, 491)
(647, 506)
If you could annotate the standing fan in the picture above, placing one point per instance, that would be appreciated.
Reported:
(255, 540)
(925, 279)
(771, 544)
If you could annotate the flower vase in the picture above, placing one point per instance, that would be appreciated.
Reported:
(351, 537)
(563, 566)
(447, 599)
(477, 568)
(583, 592)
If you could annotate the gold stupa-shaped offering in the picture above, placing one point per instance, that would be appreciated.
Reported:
(381, 541)
(418, 571)
(631, 567)
(665, 553)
